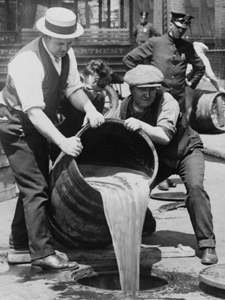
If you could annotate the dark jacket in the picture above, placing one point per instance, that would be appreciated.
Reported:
(171, 56)
(143, 32)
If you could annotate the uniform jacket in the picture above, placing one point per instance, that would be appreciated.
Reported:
(171, 56)
(144, 32)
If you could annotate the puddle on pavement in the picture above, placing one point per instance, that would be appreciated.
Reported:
(71, 284)
(152, 282)
(24, 272)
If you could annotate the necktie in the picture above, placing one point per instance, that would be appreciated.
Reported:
(56, 59)
(57, 65)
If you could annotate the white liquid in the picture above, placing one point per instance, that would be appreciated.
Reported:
(125, 198)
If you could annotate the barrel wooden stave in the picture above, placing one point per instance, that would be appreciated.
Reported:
(76, 211)
(202, 118)
(76, 217)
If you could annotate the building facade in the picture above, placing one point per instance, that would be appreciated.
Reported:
(108, 27)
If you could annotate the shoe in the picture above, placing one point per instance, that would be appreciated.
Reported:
(149, 223)
(163, 186)
(209, 256)
(54, 262)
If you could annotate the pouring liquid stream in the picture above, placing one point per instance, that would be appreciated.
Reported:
(125, 196)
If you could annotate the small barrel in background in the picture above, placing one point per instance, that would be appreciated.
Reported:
(7, 181)
(76, 213)
(208, 111)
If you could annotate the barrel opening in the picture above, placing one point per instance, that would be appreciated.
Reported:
(113, 145)
(76, 213)
(208, 111)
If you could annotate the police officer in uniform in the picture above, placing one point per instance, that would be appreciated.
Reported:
(171, 54)
(144, 30)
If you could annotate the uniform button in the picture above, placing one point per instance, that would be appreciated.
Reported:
(172, 76)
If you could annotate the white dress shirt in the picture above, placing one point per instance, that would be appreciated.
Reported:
(27, 72)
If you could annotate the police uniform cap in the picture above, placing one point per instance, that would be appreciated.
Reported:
(144, 14)
(181, 19)
(144, 76)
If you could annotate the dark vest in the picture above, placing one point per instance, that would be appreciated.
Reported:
(184, 140)
(52, 85)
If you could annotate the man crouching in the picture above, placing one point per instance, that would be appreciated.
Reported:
(179, 147)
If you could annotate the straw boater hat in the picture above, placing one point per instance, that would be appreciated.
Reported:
(60, 23)
(144, 76)
(144, 14)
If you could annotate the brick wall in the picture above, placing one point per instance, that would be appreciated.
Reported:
(216, 55)
(217, 58)
(220, 23)
(162, 12)
(158, 14)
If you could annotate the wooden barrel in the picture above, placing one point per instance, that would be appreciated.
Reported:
(208, 111)
(7, 180)
(76, 211)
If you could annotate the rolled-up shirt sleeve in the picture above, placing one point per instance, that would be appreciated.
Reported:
(27, 74)
(73, 82)
(168, 115)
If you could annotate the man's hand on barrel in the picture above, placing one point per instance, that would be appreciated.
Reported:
(72, 146)
(133, 124)
(94, 117)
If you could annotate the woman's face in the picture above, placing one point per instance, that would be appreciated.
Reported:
(91, 82)
(94, 85)
(91, 85)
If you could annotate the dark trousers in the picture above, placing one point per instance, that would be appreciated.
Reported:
(28, 158)
(191, 170)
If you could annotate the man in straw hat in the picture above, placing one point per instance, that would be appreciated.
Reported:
(37, 77)
(179, 147)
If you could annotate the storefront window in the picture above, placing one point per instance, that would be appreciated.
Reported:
(203, 12)
(7, 15)
(104, 21)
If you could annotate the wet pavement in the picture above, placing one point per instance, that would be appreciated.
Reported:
(173, 228)
(22, 281)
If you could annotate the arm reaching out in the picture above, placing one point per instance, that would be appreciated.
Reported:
(71, 146)
(80, 100)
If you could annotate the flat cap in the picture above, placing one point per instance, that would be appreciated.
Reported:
(181, 19)
(144, 75)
